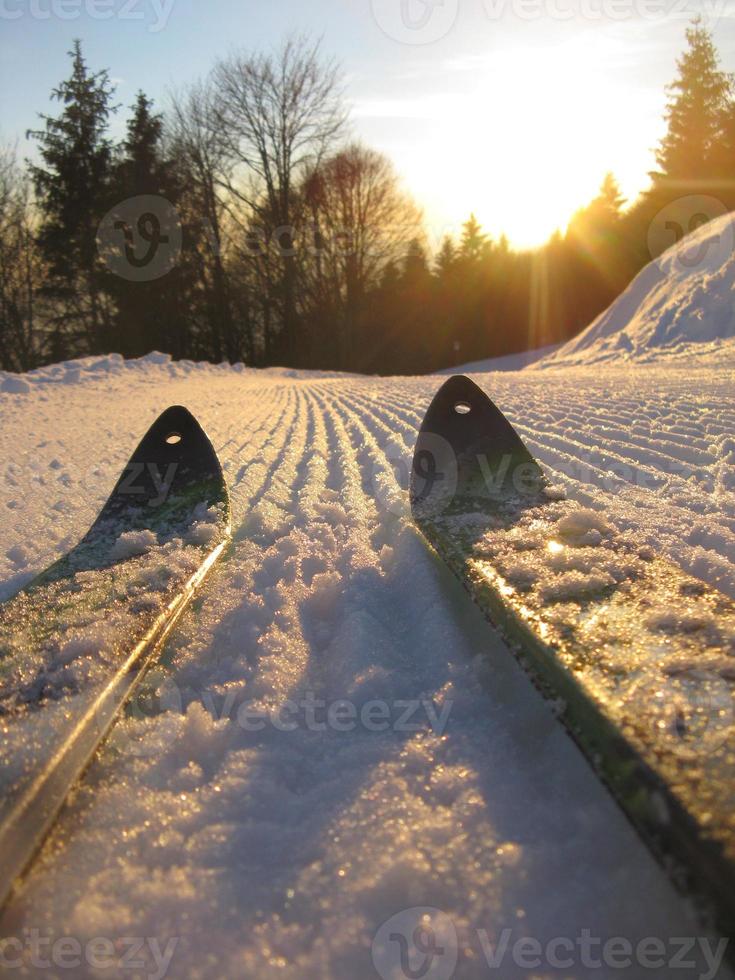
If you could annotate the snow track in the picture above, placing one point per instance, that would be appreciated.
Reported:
(274, 851)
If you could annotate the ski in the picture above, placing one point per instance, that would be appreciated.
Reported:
(637, 655)
(76, 641)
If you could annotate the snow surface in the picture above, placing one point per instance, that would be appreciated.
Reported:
(680, 306)
(272, 852)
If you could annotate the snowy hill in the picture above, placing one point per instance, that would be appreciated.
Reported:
(680, 307)
(279, 853)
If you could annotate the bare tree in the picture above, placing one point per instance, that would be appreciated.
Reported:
(278, 115)
(21, 337)
(360, 221)
(203, 164)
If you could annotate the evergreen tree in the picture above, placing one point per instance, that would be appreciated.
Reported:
(610, 197)
(723, 157)
(473, 327)
(595, 225)
(409, 319)
(72, 188)
(446, 257)
(142, 169)
(415, 263)
(150, 314)
(698, 102)
(592, 258)
(474, 244)
(390, 278)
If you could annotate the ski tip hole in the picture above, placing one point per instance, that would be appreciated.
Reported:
(462, 408)
(173, 438)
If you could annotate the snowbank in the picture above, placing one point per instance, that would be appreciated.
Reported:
(109, 367)
(679, 307)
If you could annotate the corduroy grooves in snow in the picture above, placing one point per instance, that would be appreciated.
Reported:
(334, 735)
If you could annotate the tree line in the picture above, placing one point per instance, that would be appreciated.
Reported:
(243, 224)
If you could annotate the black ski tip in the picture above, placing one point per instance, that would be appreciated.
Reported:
(463, 414)
(468, 455)
(171, 482)
(174, 467)
(176, 438)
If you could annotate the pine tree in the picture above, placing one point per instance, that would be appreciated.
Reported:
(415, 263)
(474, 244)
(591, 257)
(610, 197)
(390, 278)
(596, 224)
(72, 190)
(698, 101)
(723, 158)
(446, 257)
(150, 314)
(142, 169)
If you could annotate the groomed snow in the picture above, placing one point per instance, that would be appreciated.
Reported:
(280, 853)
(679, 307)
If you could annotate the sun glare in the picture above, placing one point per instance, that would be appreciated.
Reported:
(531, 143)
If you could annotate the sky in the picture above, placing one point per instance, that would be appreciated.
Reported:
(511, 109)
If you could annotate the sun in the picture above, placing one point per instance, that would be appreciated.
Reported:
(531, 142)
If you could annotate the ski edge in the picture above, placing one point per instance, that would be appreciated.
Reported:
(31, 819)
(696, 864)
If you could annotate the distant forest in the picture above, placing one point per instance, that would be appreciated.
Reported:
(242, 224)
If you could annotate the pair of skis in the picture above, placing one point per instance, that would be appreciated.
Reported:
(638, 656)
